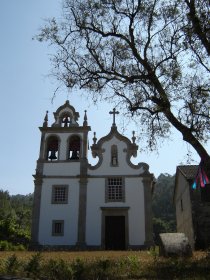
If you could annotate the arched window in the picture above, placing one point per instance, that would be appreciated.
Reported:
(52, 148)
(114, 155)
(74, 148)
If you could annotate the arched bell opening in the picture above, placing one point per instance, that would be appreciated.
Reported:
(74, 146)
(52, 148)
(65, 120)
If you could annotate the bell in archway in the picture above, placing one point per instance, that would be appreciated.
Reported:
(52, 155)
(74, 154)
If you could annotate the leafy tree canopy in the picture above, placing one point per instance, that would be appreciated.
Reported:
(15, 218)
(164, 218)
(149, 56)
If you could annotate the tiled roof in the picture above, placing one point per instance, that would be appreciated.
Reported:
(189, 171)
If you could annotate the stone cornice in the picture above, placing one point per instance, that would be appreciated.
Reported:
(71, 129)
(116, 208)
(146, 177)
(60, 161)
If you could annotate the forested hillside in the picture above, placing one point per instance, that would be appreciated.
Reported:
(15, 214)
(164, 219)
(15, 220)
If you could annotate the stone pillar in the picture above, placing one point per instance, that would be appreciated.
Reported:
(85, 144)
(81, 238)
(147, 181)
(42, 152)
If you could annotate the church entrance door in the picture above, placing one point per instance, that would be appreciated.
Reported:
(115, 233)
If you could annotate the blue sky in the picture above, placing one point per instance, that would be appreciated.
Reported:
(26, 92)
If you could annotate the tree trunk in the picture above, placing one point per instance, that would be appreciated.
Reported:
(190, 138)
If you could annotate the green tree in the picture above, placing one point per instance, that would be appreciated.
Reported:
(22, 204)
(15, 218)
(162, 205)
(149, 56)
(5, 205)
(198, 27)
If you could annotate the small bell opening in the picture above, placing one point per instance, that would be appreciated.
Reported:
(52, 155)
(52, 149)
(74, 148)
(66, 120)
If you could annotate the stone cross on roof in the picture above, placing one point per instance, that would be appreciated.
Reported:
(114, 112)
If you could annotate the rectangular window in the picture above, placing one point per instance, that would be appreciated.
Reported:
(57, 227)
(115, 190)
(181, 205)
(60, 194)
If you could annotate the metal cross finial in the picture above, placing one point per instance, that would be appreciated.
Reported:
(114, 112)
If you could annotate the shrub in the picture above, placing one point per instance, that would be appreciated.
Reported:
(19, 247)
(12, 264)
(33, 267)
(78, 267)
(57, 270)
(134, 266)
(5, 245)
(8, 246)
(103, 269)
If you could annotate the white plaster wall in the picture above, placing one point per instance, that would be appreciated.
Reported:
(61, 168)
(122, 168)
(67, 212)
(134, 194)
(184, 215)
(95, 199)
(134, 198)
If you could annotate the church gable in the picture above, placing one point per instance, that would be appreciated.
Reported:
(114, 152)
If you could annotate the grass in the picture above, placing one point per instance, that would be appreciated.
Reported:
(85, 255)
(104, 265)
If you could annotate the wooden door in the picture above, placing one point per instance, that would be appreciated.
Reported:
(115, 232)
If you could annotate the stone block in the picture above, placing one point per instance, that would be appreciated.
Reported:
(174, 244)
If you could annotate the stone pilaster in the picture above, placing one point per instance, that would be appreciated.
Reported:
(81, 239)
(85, 144)
(36, 211)
(42, 147)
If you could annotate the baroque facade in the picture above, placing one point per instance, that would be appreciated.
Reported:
(82, 206)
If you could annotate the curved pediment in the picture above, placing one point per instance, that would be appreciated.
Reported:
(66, 115)
(111, 141)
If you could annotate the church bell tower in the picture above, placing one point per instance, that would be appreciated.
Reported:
(63, 156)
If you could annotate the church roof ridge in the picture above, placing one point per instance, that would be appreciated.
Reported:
(188, 171)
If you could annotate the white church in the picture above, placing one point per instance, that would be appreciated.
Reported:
(79, 206)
